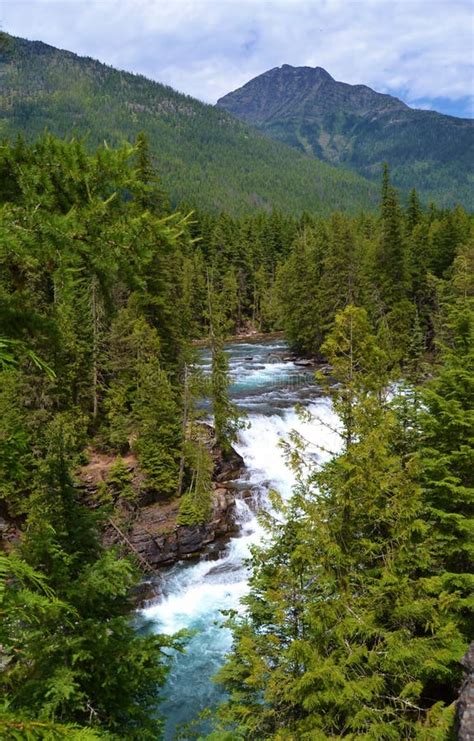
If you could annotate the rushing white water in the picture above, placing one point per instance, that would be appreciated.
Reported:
(195, 594)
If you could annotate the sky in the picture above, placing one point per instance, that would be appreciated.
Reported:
(422, 51)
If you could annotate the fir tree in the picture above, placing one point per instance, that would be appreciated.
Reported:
(344, 632)
(195, 505)
(156, 419)
(414, 212)
(149, 193)
(73, 655)
(448, 432)
(226, 416)
(298, 282)
(391, 259)
(340, 281)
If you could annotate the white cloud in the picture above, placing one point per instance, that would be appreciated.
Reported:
(421, 49)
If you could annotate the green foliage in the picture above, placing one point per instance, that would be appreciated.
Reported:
(205, 156)
(385, 266)
(80, 258)
(119, 479)
(298, 289)
(140, 402)
(9, 350)
(391, 254)
(93, 282)
(17, 728)
(72, 654)
(16, 459)
(348, 631)
(196, 503)
(132, 343)
(227, 419)
(358, 364)
(448, 437)
(359, 605)
(357, 128)
(158, 431)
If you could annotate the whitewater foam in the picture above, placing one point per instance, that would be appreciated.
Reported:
(194, 595)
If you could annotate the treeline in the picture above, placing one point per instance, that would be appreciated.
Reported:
(279, 272)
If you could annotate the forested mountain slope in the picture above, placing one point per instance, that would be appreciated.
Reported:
(205, 156)
(355, 127)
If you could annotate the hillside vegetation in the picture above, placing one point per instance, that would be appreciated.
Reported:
(353, 126)
(206, 157)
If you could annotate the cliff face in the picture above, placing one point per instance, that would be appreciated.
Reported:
(355, 127)
(157, 540)
(150, 530)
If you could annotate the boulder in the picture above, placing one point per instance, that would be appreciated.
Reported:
(304, 363)
(465, 703)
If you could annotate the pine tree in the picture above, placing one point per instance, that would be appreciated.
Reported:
(298, 285)
(391, 273)
(149, 193)
(345, 633)
(358, 363)
(229, 301)
(226, 416)
(156, 419)
(72, 654)
(341, 281)
(448, 428)
(195, 505)
(448, 234)
(414, 211)
(132, 343)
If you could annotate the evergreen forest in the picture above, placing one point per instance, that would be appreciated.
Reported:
(205, 156)
(359, 607)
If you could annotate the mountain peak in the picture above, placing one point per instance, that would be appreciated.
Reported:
(356, 127)
(312, 71)
(313, 86)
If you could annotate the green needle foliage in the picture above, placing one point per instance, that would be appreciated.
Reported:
(360, 603)
(72, 654)
(346, 633)
(196, 503)
(227, 420)
(447, 446)
(389, 266)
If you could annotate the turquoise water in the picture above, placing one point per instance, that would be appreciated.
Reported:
(267, 387)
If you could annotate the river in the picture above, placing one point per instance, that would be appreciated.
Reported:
(267, 388)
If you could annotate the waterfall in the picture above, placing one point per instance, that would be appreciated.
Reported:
(195, 594)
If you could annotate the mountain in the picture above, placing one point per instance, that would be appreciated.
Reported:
(204, 155)
(354, 126)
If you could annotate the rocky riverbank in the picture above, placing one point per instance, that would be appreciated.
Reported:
(157, 540)
(149, 530)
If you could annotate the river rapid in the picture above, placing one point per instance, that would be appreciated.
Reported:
(268, 388)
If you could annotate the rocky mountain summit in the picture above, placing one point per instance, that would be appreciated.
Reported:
(355, 127)
(204, 156)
